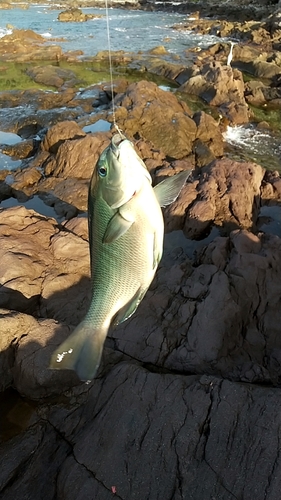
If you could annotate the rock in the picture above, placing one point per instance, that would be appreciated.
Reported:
(208, 132)
(151, 113)
(14, 325)
(203, 155)
(76, 15)
(28, 243)
(36, 446)
(60, 132)
(22, 266)
(201, 412)
(25, 45)
(20, 150)
(77, 157)
(5, 190)
(204, 325)
(52, 76)
(31, 374)
(200, 336)
(220, 86)
(227, 193)
(160, 50)
(6, 5)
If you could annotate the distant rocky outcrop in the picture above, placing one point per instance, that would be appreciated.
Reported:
(76, 15)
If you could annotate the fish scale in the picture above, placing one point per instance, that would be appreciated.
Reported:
(112, 275)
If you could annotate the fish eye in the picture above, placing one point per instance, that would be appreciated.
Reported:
(102, 171)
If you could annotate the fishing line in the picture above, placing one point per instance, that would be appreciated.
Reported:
(110, 70)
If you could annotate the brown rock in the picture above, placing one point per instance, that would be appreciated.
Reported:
(157, 116)
(52, 76)
(75, 15)
(77, 157)
(23, 259)
(25, 45)
(208, 132)
(219, 86)
(228, 194)
(57, 134)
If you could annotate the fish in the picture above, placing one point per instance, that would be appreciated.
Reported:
(126, 231)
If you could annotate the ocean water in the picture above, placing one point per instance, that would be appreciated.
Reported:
(249, 143)
(129, 30)
(134, 31)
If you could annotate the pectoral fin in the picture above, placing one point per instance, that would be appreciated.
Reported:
(168, 190)
(117, 226)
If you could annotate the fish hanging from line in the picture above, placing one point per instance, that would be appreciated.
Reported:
(126, 231)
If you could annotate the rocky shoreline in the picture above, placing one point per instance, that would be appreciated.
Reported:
(186, 404)
(231, 10)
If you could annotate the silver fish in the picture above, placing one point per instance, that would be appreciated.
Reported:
(126, 232)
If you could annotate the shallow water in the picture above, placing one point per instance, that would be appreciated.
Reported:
(129, 30)
(270, 220)
(99, 126)
(34, 203)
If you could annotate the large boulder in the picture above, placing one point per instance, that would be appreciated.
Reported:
(147, 111)
(227, 194)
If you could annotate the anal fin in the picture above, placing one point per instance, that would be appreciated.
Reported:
(126, 311)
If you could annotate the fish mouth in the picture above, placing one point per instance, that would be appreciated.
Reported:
(116, 141)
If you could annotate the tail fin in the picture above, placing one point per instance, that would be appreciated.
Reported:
(81, 352)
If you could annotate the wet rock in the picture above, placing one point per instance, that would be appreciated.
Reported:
(220, 86)
(53, 76)
(203, 155)
(20, 150)
(5, 190)
(160, 50)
